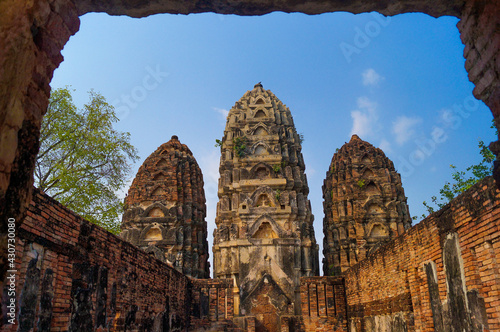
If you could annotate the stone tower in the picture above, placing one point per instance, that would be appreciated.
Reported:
(364, 204)
(165, 209)
(264, 238)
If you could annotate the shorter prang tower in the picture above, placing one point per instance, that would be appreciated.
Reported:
(364, 204)
(165, 210)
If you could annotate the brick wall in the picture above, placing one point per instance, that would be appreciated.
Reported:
(323, 304)
(480, 34)
(441, 275)
(32, 34)
(212, 305)
(74, 276)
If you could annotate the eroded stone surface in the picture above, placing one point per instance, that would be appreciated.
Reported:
(264, 239)
(257, 7)
(32, 34)
(165, 209)
(364, 204)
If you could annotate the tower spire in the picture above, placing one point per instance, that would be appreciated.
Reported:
(264, 239)
(165, 211)
(364, 204)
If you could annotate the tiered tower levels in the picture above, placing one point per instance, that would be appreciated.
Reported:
(165, 209)
(264, 239)
(364, 205)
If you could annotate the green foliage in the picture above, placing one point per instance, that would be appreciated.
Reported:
(83, 161)
(239, 146)
(276, 168)
(218, 143)
(301, 138)
(463, 180)
(278, 195)
(361, 183)
(337, 150)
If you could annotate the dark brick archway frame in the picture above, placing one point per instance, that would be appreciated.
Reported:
(33, 33)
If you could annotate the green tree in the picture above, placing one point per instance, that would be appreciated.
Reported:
(83, 161)
(463, 180)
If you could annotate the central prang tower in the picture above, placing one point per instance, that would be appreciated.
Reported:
(264, 238)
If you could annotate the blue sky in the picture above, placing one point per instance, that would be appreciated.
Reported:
(399, 83)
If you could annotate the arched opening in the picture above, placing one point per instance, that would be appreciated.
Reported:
(159, 191)
(260, 132)
(261, 150)
(156, 212)
(378, 231)
(366, 160)
(368, 173)
(262, 173)
(375, 209)
(260, 114)
(162, 163)
(263, 201)
(159, 177)
(154, 234)
(265, 231)
(371, 189)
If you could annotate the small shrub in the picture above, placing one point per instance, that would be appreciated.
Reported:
(239, 146)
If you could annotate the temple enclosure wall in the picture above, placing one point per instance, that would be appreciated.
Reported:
(443, 274)
(75, 276)
(33, 33)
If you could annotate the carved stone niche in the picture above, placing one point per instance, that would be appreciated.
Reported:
(265, 231)
(156, 212)
(154, 234)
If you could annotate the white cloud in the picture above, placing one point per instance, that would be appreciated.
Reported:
(371, 77)
(365, 118)
(210, 165)
(404, 128)
(310, 172)
(385, 146)
(221, 111)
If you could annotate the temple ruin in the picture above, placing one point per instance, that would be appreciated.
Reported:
(364, 205)
(440, 275)
(164, 211)
(264, 239)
